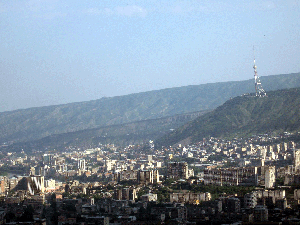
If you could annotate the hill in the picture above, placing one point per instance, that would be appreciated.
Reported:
(139, 132)
(35, 123)
(243, 116)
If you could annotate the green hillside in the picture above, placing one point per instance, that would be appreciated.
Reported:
(243, 116)
(139, 132)
(36, 123)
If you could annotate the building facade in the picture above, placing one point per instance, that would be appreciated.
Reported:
(244, 176)
(178, 170)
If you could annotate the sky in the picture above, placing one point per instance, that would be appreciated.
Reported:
(56, 52)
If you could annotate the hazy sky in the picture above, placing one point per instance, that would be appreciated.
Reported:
(54, 52)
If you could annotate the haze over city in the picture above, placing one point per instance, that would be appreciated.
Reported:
(55, 52)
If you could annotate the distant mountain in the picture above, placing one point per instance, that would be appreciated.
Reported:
(36, 123)
(139, 132)
(243, 116)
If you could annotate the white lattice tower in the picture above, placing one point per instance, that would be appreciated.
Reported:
(259, 91)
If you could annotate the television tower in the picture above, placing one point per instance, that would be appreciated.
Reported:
(259, 91)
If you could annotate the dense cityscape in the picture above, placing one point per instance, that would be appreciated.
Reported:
(242, 181)
(155, 112)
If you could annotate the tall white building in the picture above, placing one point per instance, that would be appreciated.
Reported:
(81, 164)
(270, 177)
(108, 164)
(297, 159)
(149, 157)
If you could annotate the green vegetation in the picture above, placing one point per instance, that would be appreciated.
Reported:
(122, 135)
(3, 173)
(244, 116)
(279, 181)
(163, 192)
(17, 169)
(36, 123)
(214, 190)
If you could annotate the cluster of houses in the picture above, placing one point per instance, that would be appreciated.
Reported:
(138, 185)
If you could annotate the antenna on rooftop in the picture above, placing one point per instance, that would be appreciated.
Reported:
(259, 91)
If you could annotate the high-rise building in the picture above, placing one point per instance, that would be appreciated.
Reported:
(148, 176)
(149, 157)
(81, 164)
(108, 164)
(297, 159)
(178, 170)
(48, 159)
(250, 200)
(270, 176)
(231, 176)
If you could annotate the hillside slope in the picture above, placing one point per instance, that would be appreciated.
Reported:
(36, 123)
(243, 116)
(121, 135)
